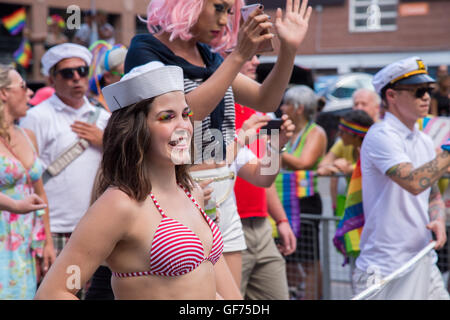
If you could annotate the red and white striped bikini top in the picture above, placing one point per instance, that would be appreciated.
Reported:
(176, 249)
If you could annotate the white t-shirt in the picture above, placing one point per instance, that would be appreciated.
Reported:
(69, 192)
(395, 219)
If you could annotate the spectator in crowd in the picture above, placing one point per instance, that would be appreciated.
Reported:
(148, 202)
(304, 152)
(263, 266)
(25, 236)
(87, 34)
(342, 158)
(55, 32)
(442, 71)
(440, 100)
(108, 65)
(105, 29)
(213, 84)
(402, 203)
(63, 121)
(353, 127)
(368, 101)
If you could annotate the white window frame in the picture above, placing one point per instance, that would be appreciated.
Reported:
(353, 4)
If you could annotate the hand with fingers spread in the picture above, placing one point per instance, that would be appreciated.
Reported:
(291, 29)
(88, 131)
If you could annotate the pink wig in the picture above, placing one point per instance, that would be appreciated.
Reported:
(177, 17)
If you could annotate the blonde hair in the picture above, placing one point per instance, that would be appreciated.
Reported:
(4, 82)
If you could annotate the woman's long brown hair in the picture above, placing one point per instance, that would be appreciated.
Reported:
(126, 148)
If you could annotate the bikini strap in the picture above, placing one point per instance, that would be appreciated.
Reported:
(190, 196)
(157, 204)
(27, 138)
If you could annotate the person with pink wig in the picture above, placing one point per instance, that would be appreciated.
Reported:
(194, 34)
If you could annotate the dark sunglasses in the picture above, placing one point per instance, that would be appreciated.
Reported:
(68, 73)
(418, 92)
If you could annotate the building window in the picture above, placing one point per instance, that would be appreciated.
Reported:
(373, 15)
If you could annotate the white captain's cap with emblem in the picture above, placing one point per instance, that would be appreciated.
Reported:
(143, 82)
(407, 71)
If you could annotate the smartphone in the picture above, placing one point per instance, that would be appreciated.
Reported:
(246, 10)
(272, 124)
(265, 46)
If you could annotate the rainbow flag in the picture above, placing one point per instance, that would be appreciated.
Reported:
(290, 187)
(15, 22)
(23, 54)
(348, 233)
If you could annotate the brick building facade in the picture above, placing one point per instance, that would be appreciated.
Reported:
(336, 42)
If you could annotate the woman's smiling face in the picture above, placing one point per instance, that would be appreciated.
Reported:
(170, 128)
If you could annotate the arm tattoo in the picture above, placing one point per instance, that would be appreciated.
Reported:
(436, 207)
(397, 172)
(422, 177)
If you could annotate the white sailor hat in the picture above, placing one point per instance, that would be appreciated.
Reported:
(407, 71)
(143, 82)
(64, 51)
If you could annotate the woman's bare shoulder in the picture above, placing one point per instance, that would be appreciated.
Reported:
(116, 203)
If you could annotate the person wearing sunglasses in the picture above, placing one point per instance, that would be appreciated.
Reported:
(59, 122)
(26, 247)
(402, 204)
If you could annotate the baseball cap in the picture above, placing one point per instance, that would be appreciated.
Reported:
(411, 70)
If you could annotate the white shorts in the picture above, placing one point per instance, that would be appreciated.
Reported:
(423, 282)
(229, 221)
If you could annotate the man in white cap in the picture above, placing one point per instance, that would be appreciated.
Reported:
(59, 123)
(402, 203)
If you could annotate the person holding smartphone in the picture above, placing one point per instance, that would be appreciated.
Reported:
(192, 34)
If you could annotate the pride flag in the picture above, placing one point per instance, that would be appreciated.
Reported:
(348, 233)
(290, 187)
(23, 54)
(15, 22)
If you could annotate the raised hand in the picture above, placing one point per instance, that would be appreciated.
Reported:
(291, 29)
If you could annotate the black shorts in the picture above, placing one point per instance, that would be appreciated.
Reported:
(308, 243)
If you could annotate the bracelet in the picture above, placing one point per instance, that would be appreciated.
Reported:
(283, 149)
(281, 220)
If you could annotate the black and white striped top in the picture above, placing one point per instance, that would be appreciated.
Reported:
(207, 140)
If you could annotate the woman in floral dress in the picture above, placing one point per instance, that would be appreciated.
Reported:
(23, 237)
